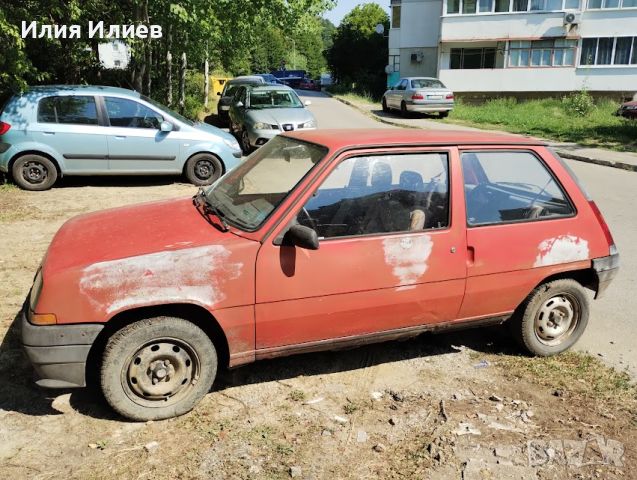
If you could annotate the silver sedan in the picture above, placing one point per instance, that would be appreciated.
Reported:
(419, 94)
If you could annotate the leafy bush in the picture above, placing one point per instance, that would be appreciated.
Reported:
(581, 103)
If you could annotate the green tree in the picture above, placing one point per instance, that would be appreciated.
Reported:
(358, 55)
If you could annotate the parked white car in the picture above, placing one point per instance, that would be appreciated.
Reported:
(419, 94)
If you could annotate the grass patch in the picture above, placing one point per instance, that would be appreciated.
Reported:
(357, 98)
(553, 119)
(576, 373)
(297, 395)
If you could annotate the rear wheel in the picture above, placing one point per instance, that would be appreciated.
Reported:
(443, 114)
(34, 172)
(203, 169)
(403, 109)
(552, 318)
(385, 107)
(157, 368)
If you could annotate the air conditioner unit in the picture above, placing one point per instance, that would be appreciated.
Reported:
(572, 18)
(416, 57)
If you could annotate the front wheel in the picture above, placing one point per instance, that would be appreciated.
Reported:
(403, 109)
(34, 172)
(203, 169)
(552, 318)
(157, 368)
(244, 140)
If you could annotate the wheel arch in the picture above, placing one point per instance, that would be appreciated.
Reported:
(208, 152)
(34, 152)
(585, 277)
(195, 314)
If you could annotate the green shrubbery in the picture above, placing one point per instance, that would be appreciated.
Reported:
(581, 103)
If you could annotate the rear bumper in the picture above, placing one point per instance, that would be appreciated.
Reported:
(58, 353)
(429, 107)
(606, 269)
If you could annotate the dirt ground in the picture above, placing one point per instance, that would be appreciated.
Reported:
(455, 406)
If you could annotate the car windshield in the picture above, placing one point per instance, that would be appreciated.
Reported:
(167, 110)
(247, 195)
(274, 99)
(426, 83)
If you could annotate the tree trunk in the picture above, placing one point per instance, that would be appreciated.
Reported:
(182, 83)
(206, 83)
(169, 70)
(149, 70)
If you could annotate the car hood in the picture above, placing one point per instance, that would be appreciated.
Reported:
(630, 104)
(156, 253)
(129, 232)
(279, 116)
(211, 130)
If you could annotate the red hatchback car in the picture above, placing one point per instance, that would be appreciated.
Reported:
(318, 240)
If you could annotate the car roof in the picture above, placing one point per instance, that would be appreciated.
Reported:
(81, 89)
(269, 86)
(352, 138)
(247, 78)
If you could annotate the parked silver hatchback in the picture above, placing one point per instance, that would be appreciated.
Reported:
(419, 94)
(47, 132)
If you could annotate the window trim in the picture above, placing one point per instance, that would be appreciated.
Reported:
(605, 9)
(633, 48)
(107, 118)
(542, 162)
(574, 48)
(334, 165)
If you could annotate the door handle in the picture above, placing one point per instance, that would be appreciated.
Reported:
(48, 133)
(471, 256)
(120, 137)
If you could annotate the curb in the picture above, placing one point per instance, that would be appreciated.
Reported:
(606, 163)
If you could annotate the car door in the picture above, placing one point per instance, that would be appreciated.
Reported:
(70, 125)
(135, 142)
(237, 113)
(390, 255)
(521, 228)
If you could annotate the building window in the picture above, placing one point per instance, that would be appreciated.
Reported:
(609, 51)
(394, 62)
(395, 16)
(470, 7)
(596, 4)
(557, 52)
(472, 58)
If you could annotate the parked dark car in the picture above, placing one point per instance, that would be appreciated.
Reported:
(309, 84)
(229, 89)
(628, 110)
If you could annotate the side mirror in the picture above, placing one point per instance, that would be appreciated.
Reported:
(166, 126)
(307, 103)
(302, 237)
(239, 104)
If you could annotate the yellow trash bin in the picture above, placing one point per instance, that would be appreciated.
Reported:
(218, 84)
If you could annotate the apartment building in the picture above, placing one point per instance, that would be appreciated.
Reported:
(516, 46)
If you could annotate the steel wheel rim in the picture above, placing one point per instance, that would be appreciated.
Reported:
(204, 169)
(161, 372)
(557, 319)
(245, 140)
(34, 172)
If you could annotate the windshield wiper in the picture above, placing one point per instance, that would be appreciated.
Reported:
(207, 208)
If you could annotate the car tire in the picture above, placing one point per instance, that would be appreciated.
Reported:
(244, 141)
(157, 368)
(385, 107)
(203, 169)
(552, 318)
(403, 109)
(443, 114)
(34, 172)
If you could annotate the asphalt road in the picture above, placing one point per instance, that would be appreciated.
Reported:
(612, 328)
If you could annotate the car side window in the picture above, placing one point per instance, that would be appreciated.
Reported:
(381, 194)
(67, 109)
(402, 85)
(130, 114)
(503, 187)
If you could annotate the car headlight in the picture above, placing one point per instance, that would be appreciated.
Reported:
(309, 124)
(232, 143)
(630, 107)
(264, 126)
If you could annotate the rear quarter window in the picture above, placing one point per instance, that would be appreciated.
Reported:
(74, 110)
(513, 186)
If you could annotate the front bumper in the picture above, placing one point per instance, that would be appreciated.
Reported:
(606, 269)
(58, 353)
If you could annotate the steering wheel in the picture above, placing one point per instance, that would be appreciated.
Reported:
(310, 220)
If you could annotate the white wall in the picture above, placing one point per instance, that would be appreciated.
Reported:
(108, 54)
(608, 23)
(420, 23)
(541, 79)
